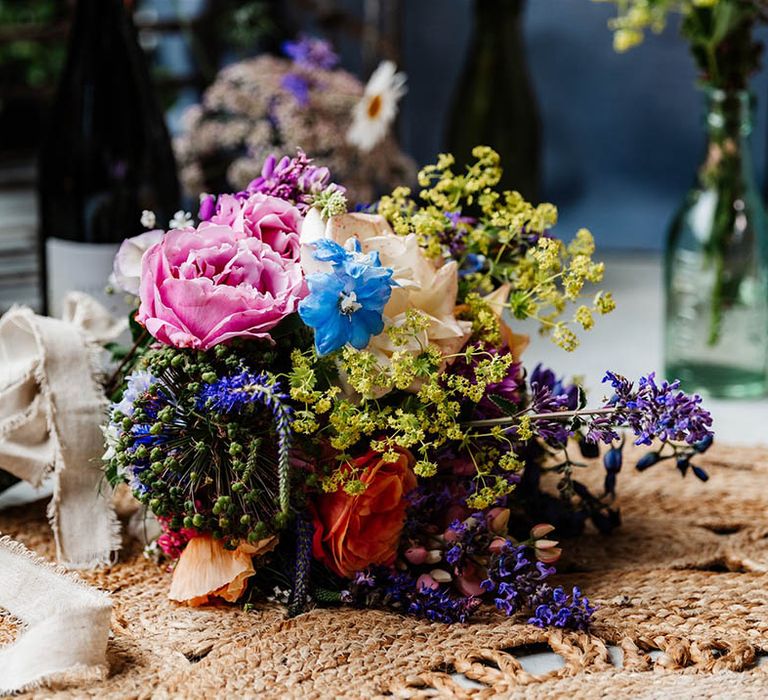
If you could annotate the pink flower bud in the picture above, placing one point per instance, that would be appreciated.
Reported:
(450, 535)
(541, 530)
(497, 545)
(416, 555)
(469, 587)
(426, 581)
(549, 556)
(433, 556)
(546, 544)
(441, 576)
(497, 519)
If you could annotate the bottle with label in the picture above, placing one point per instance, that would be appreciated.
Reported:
(106, 158)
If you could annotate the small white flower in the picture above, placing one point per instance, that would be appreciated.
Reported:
(378, 107)
(181, 219)
(148, 219)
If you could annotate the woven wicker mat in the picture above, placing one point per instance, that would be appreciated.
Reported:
(684, 576)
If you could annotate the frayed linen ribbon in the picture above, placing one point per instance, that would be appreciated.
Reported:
(51, 411)
(66, 623)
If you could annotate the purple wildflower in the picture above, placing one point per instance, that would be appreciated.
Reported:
(454, 236)
(438, 605)
(294, 179)
(518, 583)
(563, 611)
(308, 52)
(545, 377)
(298, 86)
(510, 388)
(382, 586)
(654, 411)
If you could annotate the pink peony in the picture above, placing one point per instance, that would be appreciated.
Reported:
(201, 287)
(272, 220)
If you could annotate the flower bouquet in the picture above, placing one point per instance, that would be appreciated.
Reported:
(331, 406)
(269, 103)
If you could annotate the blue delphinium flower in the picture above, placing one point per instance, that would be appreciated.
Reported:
(345, 305)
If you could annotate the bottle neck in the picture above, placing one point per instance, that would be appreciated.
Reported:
(728, 121)
(495, 18)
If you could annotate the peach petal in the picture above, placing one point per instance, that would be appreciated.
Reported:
(206, 569)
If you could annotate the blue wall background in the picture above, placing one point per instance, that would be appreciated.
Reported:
(622, 134)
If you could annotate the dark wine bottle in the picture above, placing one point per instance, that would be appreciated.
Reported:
(495, 104)
(106, 158)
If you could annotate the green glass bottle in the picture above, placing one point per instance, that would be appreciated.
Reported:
(494, 104)
(716, 265)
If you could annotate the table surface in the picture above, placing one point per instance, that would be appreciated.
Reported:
(629, 341)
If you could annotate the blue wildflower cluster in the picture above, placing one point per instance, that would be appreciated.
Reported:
(345, 305)
(241, 391)
(309, 52)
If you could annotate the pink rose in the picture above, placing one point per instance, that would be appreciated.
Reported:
(203, 287)
(270, 219)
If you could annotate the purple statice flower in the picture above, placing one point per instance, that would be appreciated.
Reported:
(655, 411)
(294, 179)
(298, 86)
(309, 52)
(564, 611)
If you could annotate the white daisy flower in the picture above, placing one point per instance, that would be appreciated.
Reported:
(377, 109)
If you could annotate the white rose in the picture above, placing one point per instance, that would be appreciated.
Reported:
(423, 284)
(126, 268)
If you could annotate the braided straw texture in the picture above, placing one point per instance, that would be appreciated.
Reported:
(684, 577)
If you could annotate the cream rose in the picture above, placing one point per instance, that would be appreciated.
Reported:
(425, 285)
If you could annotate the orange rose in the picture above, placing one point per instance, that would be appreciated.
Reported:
(353, 532)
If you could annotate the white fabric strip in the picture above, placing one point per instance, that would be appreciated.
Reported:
(66, 623)
(51, 411)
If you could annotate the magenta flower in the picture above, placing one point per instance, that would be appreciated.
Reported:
(206, 286)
